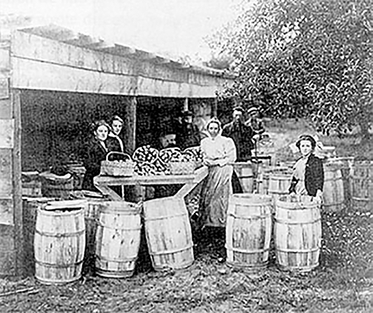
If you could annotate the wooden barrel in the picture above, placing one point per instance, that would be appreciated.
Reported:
(117, 239)
(248, 231)
(345, 165)
(362, 186)
(30, 206)
(267, 172)
(278, 185)
(245, 174)
(95, 201)
(60, 241)
(57, 186)
(297, 233)
(333, 193)
(168, 233)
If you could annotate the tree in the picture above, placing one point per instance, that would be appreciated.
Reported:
(304, 58)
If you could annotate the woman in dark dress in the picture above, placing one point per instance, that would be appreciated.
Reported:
(308, 175)
(113, 141)
(95, 152)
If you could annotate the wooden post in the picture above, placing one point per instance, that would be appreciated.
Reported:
(129, 128)
(11, 239)
(214, 108)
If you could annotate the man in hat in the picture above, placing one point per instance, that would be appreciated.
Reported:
(241, 134)
(188, 135)
(254, 121)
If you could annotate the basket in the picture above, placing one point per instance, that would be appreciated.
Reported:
(182, 167)
(123, 167)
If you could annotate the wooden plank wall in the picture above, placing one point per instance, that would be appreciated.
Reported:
(45, 64)
(10, 171)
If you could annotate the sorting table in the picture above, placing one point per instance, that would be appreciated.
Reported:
(103, 183)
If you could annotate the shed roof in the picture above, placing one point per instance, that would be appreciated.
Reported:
(68, 36)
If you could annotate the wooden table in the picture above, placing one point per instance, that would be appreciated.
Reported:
(102, 183)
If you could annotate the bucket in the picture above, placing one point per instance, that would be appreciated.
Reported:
(117, 239)
(60, 241)
(168, 233)
(297, 233)
(248, 231)
(362, 186)
(57, 186)
(333, 193)
(30, 206)
(245, 174)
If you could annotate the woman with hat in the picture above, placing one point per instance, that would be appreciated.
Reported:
(219, 153)
(95, 152)
(308, 174)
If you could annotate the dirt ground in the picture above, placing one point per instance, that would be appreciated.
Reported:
(342, 283)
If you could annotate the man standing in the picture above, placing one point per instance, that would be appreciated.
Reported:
(241, 134)
(189, 135)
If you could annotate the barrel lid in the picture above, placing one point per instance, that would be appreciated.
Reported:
(65, 205)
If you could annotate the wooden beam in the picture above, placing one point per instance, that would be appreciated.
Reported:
(130, 125)
(17, 187)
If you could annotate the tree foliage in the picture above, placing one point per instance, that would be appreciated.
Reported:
(304, 58)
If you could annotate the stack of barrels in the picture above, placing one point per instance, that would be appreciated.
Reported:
(293, 223)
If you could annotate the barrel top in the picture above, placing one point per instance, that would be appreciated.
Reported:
(297, 202)
(252, 198)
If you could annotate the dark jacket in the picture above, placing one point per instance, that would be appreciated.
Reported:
(314, 176)
(92, 157)
(188, 136)
(112, 143)
(242, 136)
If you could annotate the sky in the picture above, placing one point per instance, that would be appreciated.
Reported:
(168, 27)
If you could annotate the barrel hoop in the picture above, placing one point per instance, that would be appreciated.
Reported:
(117, 228)
(361, 199)
(81, 232)
(332, 204)
(296, 250)
(281, 192)
(164, 217)
(122, 260)
(190, 246)
(280, 221)
(253, 217)
(58, 265)
(299, 268)
(246, 251)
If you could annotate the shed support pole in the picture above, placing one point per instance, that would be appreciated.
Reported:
(130, 125)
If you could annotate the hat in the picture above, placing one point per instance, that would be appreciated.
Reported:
(306, 137)
(238, 108)
(252, 110)
(187, 113)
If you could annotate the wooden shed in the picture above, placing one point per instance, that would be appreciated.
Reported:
(54, 82)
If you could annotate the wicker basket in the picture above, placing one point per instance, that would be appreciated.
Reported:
(123, 167)
(182, 167)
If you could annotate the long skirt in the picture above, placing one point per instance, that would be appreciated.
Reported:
(216, 190)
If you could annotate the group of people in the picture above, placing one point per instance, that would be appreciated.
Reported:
(221, 146)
